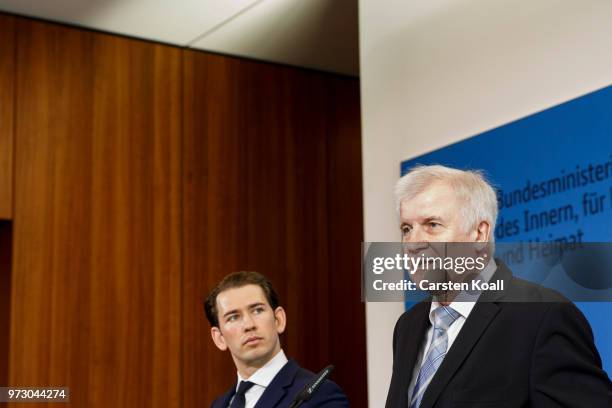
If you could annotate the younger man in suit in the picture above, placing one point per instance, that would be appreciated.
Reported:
(246, 319)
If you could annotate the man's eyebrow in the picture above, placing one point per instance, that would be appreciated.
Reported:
(251, 306)
(229, 312)
(433, 218)
(423, 221)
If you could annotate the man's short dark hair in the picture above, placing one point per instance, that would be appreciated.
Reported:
(238, 280)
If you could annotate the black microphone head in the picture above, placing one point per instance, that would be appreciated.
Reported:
(312, 387)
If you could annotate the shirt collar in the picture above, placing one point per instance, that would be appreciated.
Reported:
(489, 270)
(266, 374)
(465, 306)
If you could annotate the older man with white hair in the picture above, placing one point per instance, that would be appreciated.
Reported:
(494, 352)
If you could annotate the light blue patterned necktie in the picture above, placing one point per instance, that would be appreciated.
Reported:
(443, 317)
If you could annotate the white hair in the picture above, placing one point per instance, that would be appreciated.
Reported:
(471, 186)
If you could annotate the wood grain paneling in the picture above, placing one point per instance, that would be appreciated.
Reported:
(97, 243)
(144, 174)
(261, 147)
(214, 212)
(7, 70)
(344, 186)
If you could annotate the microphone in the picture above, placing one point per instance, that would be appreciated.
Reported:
(311, 388)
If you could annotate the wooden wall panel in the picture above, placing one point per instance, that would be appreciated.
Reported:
(97, 243)
(106, 216)
(214, 196)
(7, 70)
(286, 224)
(260, 149)
(344, 186)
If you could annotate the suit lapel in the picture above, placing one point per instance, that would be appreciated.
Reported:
(419, 322)
(225, 400)
(472, 330)
(277, 389)
(479, 319)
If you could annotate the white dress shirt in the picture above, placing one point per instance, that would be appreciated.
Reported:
(262, 378)
(464, 308)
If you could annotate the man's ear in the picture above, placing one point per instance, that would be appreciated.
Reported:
(483, 232)
(281, 319)
(218, 338)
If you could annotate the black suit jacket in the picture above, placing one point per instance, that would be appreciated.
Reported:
(286, 385)
(538, 353)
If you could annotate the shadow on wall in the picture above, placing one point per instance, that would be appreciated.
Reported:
(320, 34)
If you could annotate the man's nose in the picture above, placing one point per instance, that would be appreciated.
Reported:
(249, 322)
(415, 242)
(415, 247)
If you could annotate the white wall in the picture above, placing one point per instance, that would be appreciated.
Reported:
(437, 71)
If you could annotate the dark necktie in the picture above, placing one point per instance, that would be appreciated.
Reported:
(239, 401)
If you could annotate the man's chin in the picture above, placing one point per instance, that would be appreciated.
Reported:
(256, 355)
(431, 275)
(443, 296)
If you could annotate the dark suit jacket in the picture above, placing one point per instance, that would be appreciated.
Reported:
(286, 385)
(538, 353)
